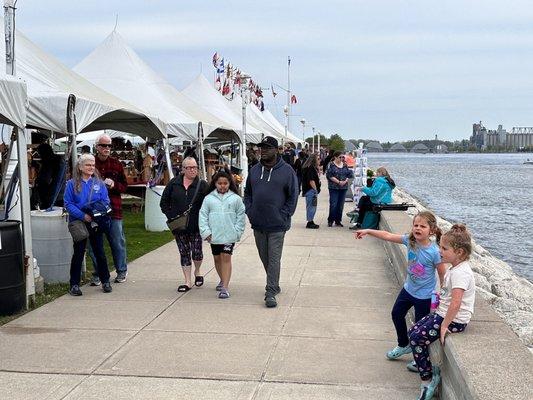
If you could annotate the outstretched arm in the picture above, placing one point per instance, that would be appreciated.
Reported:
(383, 235)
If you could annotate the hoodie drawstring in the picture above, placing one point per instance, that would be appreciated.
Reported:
(270, 174)
(262, 170)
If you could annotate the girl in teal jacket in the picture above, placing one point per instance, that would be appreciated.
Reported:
(222, 222)
(379, 193)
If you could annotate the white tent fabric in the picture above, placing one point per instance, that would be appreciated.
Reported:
(272, 120)
(201, 92)
(116, 68)
(50, 84)
(13, 101)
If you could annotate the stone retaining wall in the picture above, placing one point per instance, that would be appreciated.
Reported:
(487, 361)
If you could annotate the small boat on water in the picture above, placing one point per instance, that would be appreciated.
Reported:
(528, 162)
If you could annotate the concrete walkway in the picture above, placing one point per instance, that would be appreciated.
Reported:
(325, 340)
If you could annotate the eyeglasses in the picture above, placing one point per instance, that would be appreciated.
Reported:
(195, 167)
(105, 145)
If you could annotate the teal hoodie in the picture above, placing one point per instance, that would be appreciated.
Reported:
(381, 190)
(222, 216)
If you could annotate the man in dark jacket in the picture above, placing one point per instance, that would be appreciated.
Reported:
(270, 199)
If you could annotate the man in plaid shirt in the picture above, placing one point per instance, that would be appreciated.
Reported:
(112, 173)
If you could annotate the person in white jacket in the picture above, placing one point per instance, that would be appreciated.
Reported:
(222, 222)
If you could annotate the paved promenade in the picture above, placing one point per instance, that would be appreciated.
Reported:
(325, 340)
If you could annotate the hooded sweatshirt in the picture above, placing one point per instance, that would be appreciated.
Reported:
(222, 217)
(270, 196)
(381, 190)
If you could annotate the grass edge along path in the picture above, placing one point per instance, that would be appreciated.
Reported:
(138, 243)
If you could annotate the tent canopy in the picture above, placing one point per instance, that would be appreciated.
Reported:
(201, 92)
(13, 101)
(117, 68)
(49, 85)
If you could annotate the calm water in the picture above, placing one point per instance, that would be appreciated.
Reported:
(491, 193)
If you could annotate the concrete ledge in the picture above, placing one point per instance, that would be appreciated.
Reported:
(487, 361)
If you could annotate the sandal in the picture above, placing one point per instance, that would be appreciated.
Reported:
(183, 288)
(219, 287)
(198, 281)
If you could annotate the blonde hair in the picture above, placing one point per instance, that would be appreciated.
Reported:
(82, 160)
(433, 227)
(383, 172)
(459, 238)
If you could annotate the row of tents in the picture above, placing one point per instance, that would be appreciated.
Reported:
(114, 88)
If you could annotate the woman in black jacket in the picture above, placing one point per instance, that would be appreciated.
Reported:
(184, 191)
(311, 188)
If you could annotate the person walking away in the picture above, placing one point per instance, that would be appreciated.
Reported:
(423, 259)
(112, 172)
(300, 160)
(81, 191)
(379, 193)
(49, 179)
(185, 193)
(325, 162)
(221, 222)
(311, 189)
(338, 175)
(270, 198)
(456, 307)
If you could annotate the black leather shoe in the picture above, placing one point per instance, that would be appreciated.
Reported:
(312, 225)
(270, 302)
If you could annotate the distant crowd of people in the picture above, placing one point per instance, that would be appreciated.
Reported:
(197, 211)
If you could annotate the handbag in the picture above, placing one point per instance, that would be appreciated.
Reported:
(78, 230)
(180, 222)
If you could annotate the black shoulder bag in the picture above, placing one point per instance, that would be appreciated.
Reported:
(180, 222)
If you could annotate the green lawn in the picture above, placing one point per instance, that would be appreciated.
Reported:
(138, 242)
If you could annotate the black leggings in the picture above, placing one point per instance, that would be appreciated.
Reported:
(364, 205)
(403, 304)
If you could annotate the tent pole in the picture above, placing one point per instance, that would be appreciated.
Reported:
(201, 157)
(244, 158)
(167, 156)
(25, 214)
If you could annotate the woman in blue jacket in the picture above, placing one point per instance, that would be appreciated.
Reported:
(85, 189)
(221, 223)
(379, 193)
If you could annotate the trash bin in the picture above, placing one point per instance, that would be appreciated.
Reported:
(12, 280)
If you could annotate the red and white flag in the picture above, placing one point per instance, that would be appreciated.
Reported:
(293, 99)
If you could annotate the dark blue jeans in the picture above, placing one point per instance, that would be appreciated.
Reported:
(403, 304)
(336, 205)
(97, 244)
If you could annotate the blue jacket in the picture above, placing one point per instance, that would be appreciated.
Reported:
(340, 173)
(75, 202)
(222, 217)
(380, 191)
(270, 196)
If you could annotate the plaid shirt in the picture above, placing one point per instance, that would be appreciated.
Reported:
(112, 168)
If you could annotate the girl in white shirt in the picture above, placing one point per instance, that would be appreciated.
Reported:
(456, 306)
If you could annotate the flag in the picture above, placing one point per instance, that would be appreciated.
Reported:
(293, 99)
(220, 67)
(217, 84)
(274, 94)
(215, 60)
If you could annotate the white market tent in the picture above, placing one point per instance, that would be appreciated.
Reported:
(50, 84)
(115, 67)
(13, 101)
(273, 121)
(201, 92)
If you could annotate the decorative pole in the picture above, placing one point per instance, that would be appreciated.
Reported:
(244, 158)
(22, 153)
(313, 150)
(288, 113)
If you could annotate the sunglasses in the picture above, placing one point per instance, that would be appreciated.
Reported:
(105, 145)
(191, 167)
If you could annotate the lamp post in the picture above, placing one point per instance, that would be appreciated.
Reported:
(302, 121)
(313, 150)
(244, 159)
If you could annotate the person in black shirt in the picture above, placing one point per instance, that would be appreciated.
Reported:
(311, 188)
(49, 179)
(289, 155)
(298, 164)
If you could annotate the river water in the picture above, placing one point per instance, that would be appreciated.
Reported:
(491, 193)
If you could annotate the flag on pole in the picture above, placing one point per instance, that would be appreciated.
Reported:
(293, 99)
(220, 67)
(217, 84)
(274, 94)
(215, 60)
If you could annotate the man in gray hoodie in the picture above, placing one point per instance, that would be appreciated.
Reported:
(270, 198)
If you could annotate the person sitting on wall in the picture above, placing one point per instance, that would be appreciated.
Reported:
(379, 193)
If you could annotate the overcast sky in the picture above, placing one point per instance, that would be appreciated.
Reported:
(381, 69)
